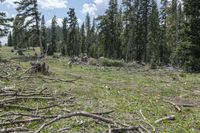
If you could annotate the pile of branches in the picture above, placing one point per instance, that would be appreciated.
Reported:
(8, 70)
(14, 102)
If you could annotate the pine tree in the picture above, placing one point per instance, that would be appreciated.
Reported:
(18, 33)
(28, 11)
(73, 43)
(145, 7)
(52, 48)
(4, 25)
(164, 54)
(129, 46)
(153, 36)
(10, 40)
(189, 50)
(83, 39)
(108, 30)
(94, 44)
(43, 35)
(65, 37)
(88, 33)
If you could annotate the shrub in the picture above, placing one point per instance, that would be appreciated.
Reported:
(108, 62)
(187, 59)
(93, 62)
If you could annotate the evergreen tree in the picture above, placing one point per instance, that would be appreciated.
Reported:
(4, 23)
(164, 54)
(109, 33)
(73, 42)
(145, 10)
(83, 39)
(52, 48)
(18, 33)
(10, 40)
(28, 11)
(43, 34)
(94, 44)
(189, 50)
(129, 46)
(88, 33)
(153, 35)
(65, 37)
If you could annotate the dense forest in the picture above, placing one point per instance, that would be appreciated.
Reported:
(134, 30)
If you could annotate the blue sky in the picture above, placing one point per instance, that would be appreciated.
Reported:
(49, 8)
(60, 7)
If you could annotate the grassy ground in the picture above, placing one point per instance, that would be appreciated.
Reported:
(125, 91)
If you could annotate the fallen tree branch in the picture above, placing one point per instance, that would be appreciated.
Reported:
(144, 118)
(29, 115)
(9, 100)
(103, 113)
(146, 121)
(125, 129)
(85, 114)
(20, 121)
(52, 79)
(188, 105)
(171, 117)
(11, 130)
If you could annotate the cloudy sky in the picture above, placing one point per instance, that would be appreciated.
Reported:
(49, 8)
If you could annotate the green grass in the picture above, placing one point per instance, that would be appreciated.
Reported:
(126, 92)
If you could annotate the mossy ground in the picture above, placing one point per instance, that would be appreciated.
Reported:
(124, 91)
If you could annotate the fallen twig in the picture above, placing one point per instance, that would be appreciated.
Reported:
(142, 115)
(171, 117)
(176, 106)
(9, 100)
(11, 130)
(20, 121)
(52, 79)
(125, 129)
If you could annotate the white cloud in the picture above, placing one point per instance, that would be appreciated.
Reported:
(58, 20)
(89, 8)
(3, 40)
(46, 4)
(51, 4)
(79, 21)
(97, 7)
(100, 1)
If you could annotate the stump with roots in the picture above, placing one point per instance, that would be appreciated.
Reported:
(39, 67)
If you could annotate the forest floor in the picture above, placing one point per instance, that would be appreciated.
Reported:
(125, 97)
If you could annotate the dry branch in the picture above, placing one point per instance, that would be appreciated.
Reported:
(14, 99)
(171, 117)
(85, 114)
(11, 130)
(20, 122)
(142, 115)
(125, 129)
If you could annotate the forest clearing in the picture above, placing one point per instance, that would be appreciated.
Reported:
(99, 66)
(104, 99)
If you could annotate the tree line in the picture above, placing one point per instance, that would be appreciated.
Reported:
(134, 30)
